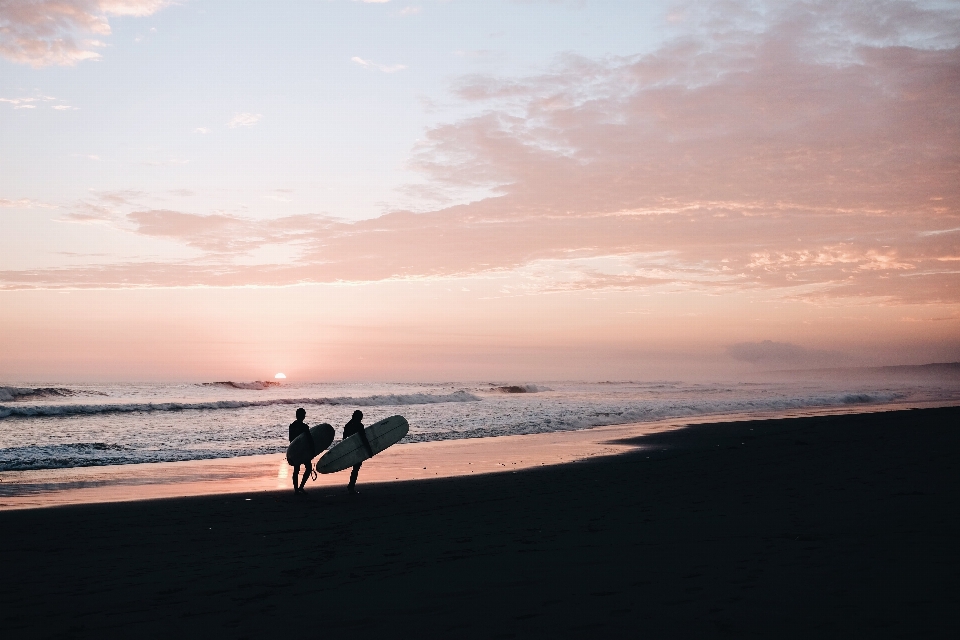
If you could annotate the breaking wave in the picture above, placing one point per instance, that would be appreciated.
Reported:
(13, 394)
(519, 388)
(363, 401)
(856, 398)
(256, 385)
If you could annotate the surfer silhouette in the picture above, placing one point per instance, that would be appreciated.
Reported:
(296, 428)
(356, 426)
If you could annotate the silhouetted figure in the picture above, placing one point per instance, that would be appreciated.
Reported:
(296, 428)
(352, 427)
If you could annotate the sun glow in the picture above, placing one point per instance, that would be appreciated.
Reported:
(280, 376)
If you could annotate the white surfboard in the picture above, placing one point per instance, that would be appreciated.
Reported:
(350, 451)
(306, 446)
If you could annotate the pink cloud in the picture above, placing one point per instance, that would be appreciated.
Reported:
(465, 241)
(62, 32)
(814, 152)
(221, 233)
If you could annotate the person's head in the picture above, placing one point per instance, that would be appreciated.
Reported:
(301, 413)
(357, 414)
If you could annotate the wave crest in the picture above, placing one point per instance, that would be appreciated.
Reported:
(14, 394)
(256, 385)
(131, 407)
(519, 388)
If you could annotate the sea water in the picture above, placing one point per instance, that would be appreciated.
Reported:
(75, 425)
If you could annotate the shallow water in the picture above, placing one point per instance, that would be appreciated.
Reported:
(57, 426)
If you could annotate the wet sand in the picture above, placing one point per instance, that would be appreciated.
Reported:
(819, 526)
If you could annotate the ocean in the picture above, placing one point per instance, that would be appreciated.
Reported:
(76, 425)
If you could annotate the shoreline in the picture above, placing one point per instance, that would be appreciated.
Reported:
(44, 488)
(820, 526)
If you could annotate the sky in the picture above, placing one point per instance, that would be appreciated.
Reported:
(454, 190)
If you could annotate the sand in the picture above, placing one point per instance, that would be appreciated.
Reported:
(819, 526)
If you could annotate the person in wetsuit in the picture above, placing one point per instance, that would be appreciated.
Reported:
(298, 427)
(356, 426)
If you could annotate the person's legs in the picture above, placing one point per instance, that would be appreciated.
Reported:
(353, 476)
(307, 468)
(296, 478)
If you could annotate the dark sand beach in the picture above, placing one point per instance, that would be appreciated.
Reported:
(837, 526)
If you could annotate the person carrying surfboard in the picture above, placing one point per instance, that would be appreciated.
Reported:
(356, 426)
(297, 427)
